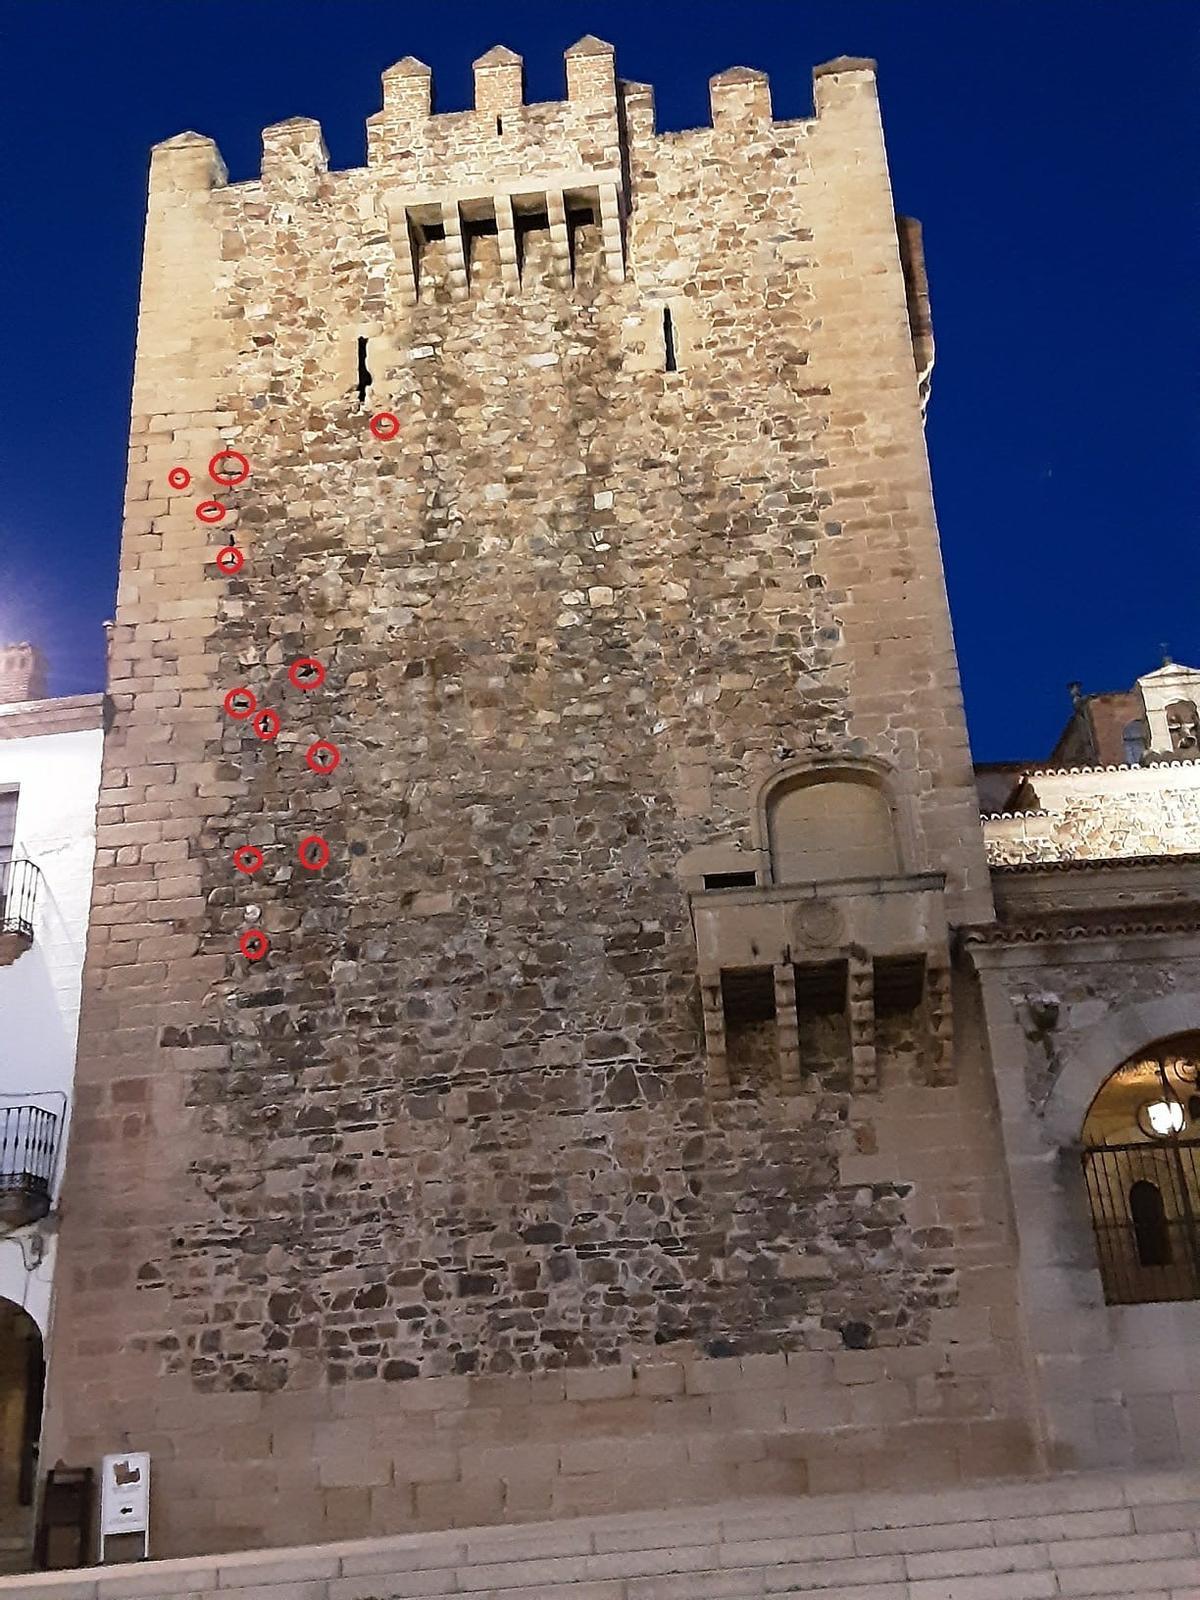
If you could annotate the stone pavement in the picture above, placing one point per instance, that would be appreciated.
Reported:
(1133, 1535)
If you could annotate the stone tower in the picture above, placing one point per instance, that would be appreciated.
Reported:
(608, 1122)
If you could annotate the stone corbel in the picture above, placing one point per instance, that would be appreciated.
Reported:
(506, 235)
(860, 1014)
(939, 1020)
(612, 232)
(456, 255)
(404, 251)
(714, 1035)
(787, 1028)
(560, 240)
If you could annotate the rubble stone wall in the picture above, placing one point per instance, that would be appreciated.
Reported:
(1095, 814)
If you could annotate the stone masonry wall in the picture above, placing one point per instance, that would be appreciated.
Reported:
(428, 1218)
(1119, 1385)
(1097, 814)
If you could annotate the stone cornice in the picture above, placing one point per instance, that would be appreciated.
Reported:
(1164, 760)
(1077, 924)
(1104, 864)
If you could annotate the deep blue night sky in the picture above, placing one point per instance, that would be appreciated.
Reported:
(1047, 145)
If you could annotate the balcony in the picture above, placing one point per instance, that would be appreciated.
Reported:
(816, 922)
(20, 882)
(28, 1145)
(860, 946)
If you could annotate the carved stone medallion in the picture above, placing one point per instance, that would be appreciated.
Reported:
(817, 924)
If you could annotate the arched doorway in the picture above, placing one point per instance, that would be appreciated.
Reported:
(22, 1373)
(1141, 1160)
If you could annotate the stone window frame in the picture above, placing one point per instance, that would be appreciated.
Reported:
(806, 771)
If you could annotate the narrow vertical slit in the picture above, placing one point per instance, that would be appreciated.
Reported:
(669, 340)
(364, 377)
(499, 124)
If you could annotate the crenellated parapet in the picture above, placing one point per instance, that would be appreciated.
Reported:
(187, 162)
(503, 140)
(516, 192)
(739, 96)
(506, 166)
(501, 136)
(501, 167)
(294, 155)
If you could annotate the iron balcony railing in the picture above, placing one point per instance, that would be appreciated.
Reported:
(28, 1146)
(1145, 1205)
(19, 884)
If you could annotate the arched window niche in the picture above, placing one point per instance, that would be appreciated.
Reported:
(1151, 1230)
(819, 821)
(1183, 724)
(1141, 1163)
(1134, 738)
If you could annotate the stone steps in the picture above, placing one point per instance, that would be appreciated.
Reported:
(1065, 1538)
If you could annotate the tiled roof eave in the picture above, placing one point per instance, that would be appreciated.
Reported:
(1101, 864)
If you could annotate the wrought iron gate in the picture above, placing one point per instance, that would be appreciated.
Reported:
(1145, 1204)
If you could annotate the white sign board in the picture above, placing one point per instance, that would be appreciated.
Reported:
(125, 1497)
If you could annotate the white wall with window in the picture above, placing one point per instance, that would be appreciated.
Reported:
(49, 781)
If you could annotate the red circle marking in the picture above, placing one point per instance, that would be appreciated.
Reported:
(230, 559)
(253, 944)
(322, 756)
(179, 477)
(247, 858)
(385, 425)
(317, 847)
(210, 511)
(306, 673)
(225, 478)
(237, 710)
(266, 723)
